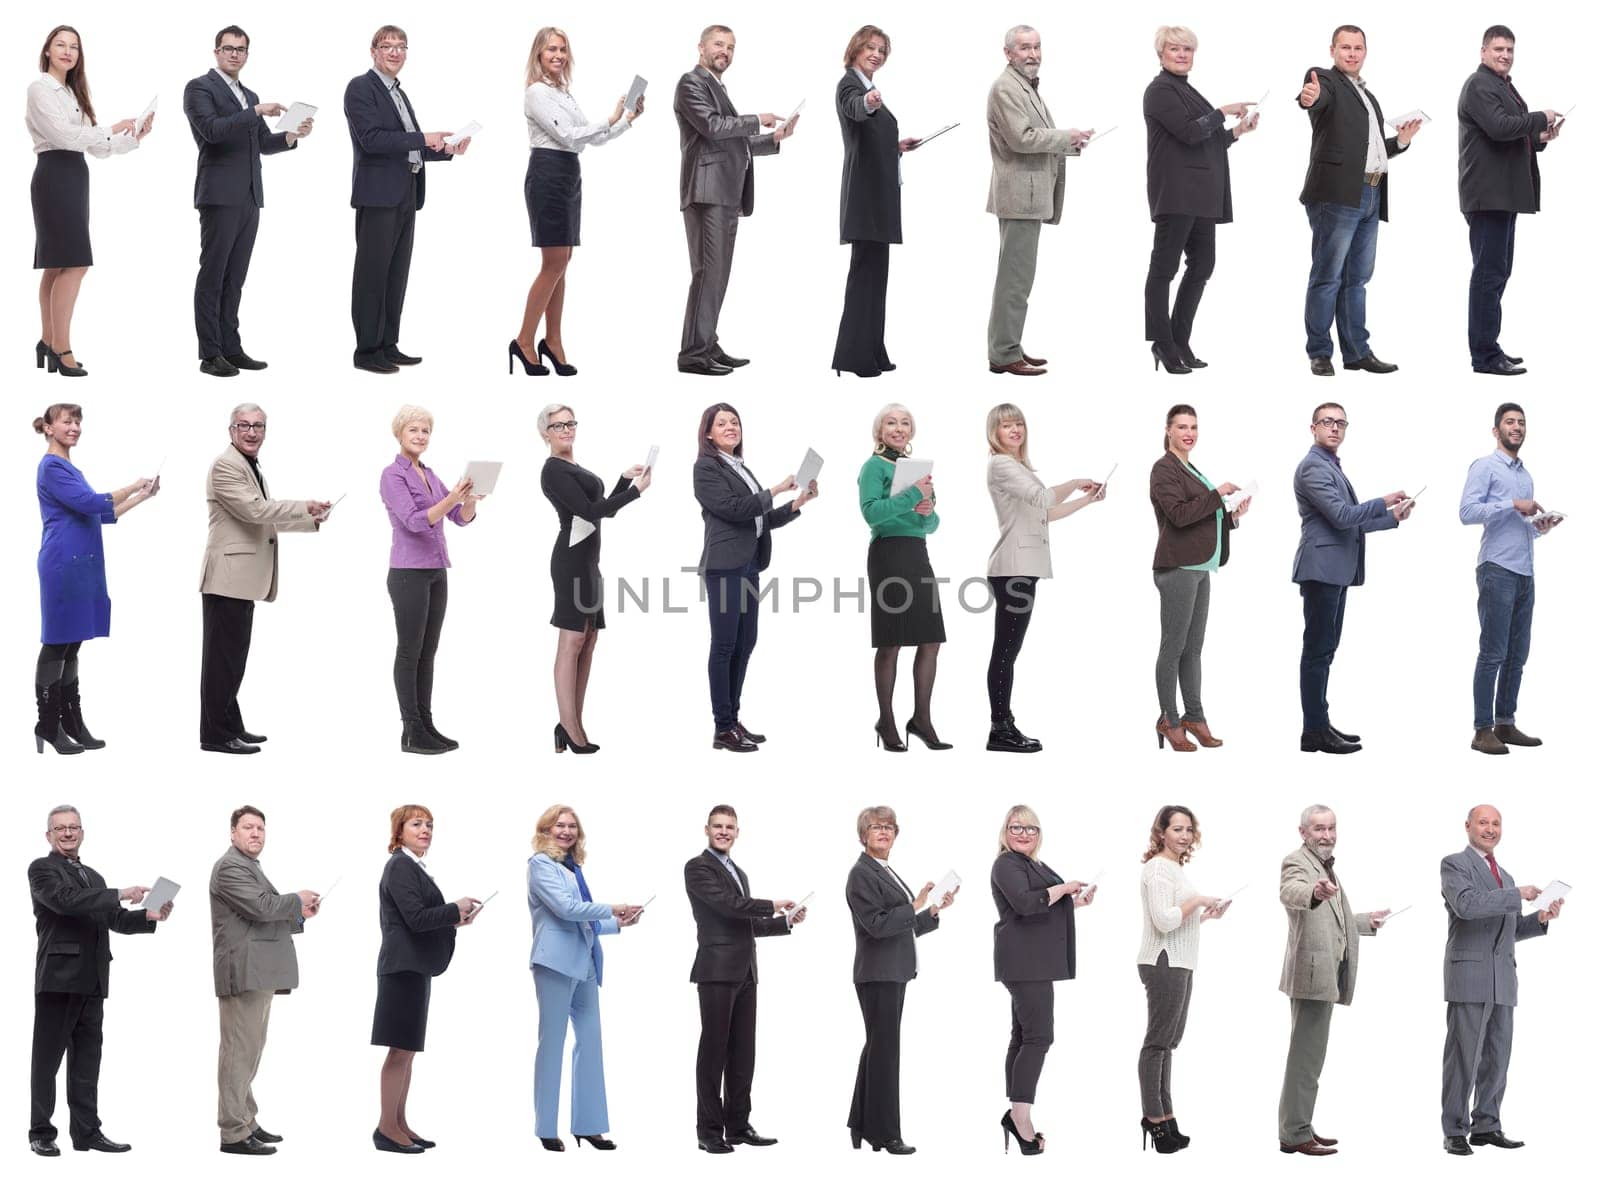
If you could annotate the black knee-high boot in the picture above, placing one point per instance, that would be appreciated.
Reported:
(47, 693)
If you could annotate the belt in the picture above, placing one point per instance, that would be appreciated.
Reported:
(418, 168)
(1374, 178)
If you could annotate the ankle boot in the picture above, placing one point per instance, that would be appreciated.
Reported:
(72, 718)
(48, 729)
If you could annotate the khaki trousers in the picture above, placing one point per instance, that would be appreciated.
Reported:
(243, 1024)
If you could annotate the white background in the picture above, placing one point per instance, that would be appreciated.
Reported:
(320, 685)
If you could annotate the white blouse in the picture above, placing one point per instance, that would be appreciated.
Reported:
(555, 122)
(1165, 889)
(57, 125)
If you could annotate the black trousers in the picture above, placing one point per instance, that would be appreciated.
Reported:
(1194, 239)
(383, 265)
(227, 239)
(66, 1023)
(1033, 1029)
(224, 649)
(859, 347)
(419, 598)
(1323, 606)
(725, 1066)
(875, 1108)
(711, 231)
(1013, 611)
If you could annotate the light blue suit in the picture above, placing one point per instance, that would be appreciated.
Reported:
(567, 968)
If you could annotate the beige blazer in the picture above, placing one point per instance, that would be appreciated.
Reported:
(1025, 148)
(251, 925)
(241, 559)
(1021, 500)
(1321, 934)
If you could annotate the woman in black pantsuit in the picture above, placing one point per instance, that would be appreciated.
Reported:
(1187, 178)
(578, 495)
(887, 919)
(419, 937)
(1035, 944)
(869, 202)
(61, 121)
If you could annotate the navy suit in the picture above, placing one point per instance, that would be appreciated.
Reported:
(227, 191)
(386, 190)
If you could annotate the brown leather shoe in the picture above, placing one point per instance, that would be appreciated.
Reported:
(1018, 368)
(1485, 741)
(1311, 1147)
(1038, 362)
(1325, 1141)
(1202, 733)
(1172, 734)
(1511, 736)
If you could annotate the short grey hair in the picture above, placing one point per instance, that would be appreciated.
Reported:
(542, 423)
(877, 424)
(1175, 35)
(243, 408)
(57, 811)
(1313, 810)
(880, 814)
(409, 414)
(1016, 31)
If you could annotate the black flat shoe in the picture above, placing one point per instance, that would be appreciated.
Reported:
(514, 354)
(929, 738)
(1166, 356)
(383, 1144)
(722, 358)
(43, 1145)
(421, 1143)
(1327, 742)
(375, 365)
(218, 367)
(714, 1147)
(266, 1137)
(599, 1142)
(1322, 367)
(552, 1145)
(245, 361)
(564, 741)
(561, 367)
(752, 1138)
(890, 741)
(99, 1142)
(750, 734)
(1496, 1138)
(249, 1146)
(396, 357)
(1371, 364)
(1457, 1146)
(234, 746)
(733, 740)
(705, 367)
(1504, 367)
(1008, 1132)
(1513, 360)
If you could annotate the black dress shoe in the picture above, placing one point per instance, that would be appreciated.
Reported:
(1457, 1146)
(249, 1146)
(43, 1146)
(99, 1142)
(233, 746)
(376, 364)
(245, 361)
(1342, 734)
(753, 1138)
(383, 1144)
(887, 366)
(260, 1133)
(1371, 364)
(895, 1147)
(246, 736)
(1504, 367)
(722, 358)
(732, 740)
(396, 357)
(750, 734)
(1513, 360)
(714, 1147)
(219, 367)
(1497, 1138)
(704, 367)
(1321, 366)
(1326, 741)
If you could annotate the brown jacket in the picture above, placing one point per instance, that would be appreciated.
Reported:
(1186, 516)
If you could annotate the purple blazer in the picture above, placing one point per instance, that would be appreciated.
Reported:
(417, 545)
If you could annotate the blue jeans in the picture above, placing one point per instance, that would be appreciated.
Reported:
(1323, 605)
(731, 596)
(1344, 249)
(1493, 234)
(1505, 629)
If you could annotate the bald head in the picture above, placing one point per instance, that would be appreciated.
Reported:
(1483, 828)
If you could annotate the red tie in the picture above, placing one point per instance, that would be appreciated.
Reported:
(1495, 869)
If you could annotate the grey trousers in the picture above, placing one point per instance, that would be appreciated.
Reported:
(1308, 1048)
(243, 1023)
(1013, 283)
(710, 230)
(1166, 991)
(1477, 1053)
(1185, 603)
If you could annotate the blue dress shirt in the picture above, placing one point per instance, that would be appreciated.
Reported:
(1493, 482)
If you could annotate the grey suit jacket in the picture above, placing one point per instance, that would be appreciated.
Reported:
(1025, 151)
(1486, 921)
(250, 928)
(241, 560)
(717, 143)
(1322, 934)
(1333, 523)
(887, 926)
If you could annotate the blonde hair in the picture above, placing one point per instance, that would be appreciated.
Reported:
(877, 428)
(1175, 35)
(398, 820)
(1006, 412)
(409, 414)
(542, 423)
(1021, 814)
(536, 67)
(544, 842)
(879, 814)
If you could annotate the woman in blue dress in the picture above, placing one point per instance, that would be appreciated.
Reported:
(73, 603)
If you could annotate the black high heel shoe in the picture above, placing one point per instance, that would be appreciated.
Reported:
(49, 729)
(72, 723)
(599, 1142)
(890, 741)
(514, 354)
(565, 740)
(1186, 355)
(54, 364)
(894, 1147)
(929, 738)
(1008, 1129)
(1166, 354)
(1157, 1134)
(552, 1145)
(40, 352)
(1172, 1126)
(561, 367)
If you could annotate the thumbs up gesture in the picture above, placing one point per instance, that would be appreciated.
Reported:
(1310, 91)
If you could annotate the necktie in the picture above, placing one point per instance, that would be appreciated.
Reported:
(82, 873)
(737, 884)
(1495, 869)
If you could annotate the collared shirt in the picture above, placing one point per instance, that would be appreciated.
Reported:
(1493, 482)
(556, 122)
(737, 465)
(234, 85)
(1377, 153)
(421, 864)
(393, 86)
(727, 864)
(870, 85)
(408, 495)
(255, 470)
(58, 124)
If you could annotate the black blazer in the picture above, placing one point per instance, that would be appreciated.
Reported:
(1498, 145)
(869, 190)
(886, 926)
(1186, 516)
(1339, 132)
(419, 926)
(729, 510)
(726, 922)
(1186, 170)
(74, 922)
(1032, 939)
(382, 145)
(716, 144)
(231, 139)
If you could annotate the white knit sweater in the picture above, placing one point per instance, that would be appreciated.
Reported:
(1165, 889)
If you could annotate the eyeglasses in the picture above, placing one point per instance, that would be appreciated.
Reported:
(1023, 830)
(65, 829)
(566, 428)
(234, 50)
(250, 428)
(883, 828)
(393, 47)
(1333, 423)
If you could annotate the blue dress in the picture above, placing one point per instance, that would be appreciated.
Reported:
(73, 603)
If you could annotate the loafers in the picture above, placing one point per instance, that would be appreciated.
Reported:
(43, 1146)
(396, 357)
(376, 365)
(753, 1138)
(722, 358)
(249, 1146)
(1496, 1139)
(234, 746)
(1371, 364)
(257, 739)
(704, 367)
(714, 1147)
(1504, 367)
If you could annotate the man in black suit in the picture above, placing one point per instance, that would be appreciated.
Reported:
(387, 188)
(716, 187)
(74, 912)
(1497, 176)
(727, 921)
(1346, 195)
(225, 118)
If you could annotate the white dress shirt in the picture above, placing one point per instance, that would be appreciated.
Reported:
(737, 465)
(555, 122)
(233, 85)
(393, 87)
(1377, 154)
(58, 125)
(421, 864)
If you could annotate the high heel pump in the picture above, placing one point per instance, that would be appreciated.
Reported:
(1202, 734)
(1186, 355)
(55, 364)
(1157, 1134)
(551, 1145)
(561, 367)
(565, 740)
(890, 741)
(514, 354)
(1172, 734)
(40, 352)
(599, 1142)
(1008, 1130)
(1166, 354)
(929, 738)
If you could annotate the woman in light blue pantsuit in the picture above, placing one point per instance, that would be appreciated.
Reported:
(568, 966)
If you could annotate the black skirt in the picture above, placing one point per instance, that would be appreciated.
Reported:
(60, 192)
(553, 188)
(905, 598)
(400, 1020)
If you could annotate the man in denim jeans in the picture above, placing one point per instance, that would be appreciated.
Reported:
(1499, 496)
(1346, 195)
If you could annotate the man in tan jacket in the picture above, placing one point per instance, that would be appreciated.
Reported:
(1319, 971)
(1026, 188)
(241, 566)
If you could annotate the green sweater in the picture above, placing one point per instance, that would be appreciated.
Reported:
(891, 516)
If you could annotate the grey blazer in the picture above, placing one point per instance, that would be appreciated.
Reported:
(886, 925)
(1333, 523)
(1322, 934)
(717, 143)
(1486, 921)
(1021, 504)
(1025, 152)
(250, 928)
